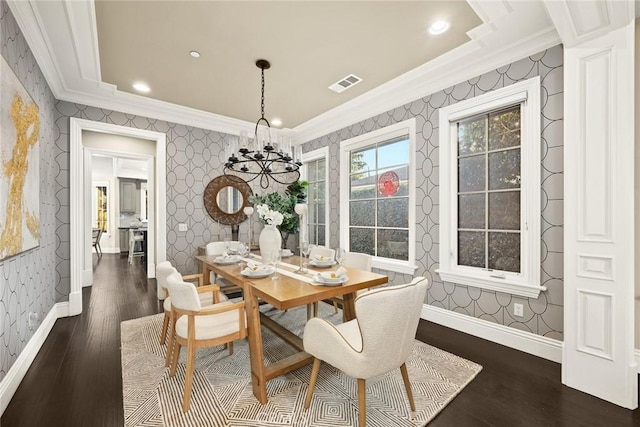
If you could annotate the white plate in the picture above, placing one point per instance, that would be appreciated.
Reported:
(316, 263)
(228, 260)
(257, 274)
(286, 254)
(330, 282)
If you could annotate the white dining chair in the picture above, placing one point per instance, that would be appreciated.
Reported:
(379, 340)
(354, 260)
(163, 270)
(215, 249)
(318, 251)
(197, 326)
(135, 237)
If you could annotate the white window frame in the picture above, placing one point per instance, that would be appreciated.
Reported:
(363, 141)
(527, 282)
(321, 153)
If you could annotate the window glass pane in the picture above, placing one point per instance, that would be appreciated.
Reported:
(504, 169)
(504, 210)
(471, 248)
(504, 251)
(393, 244)
(312, 171)
(363, 160)
(313, 214)
(471, 136)
(393, 212)
(362, 240)
(362, 213)
(321, 214)
(363, 186)
(322, 166)
(101, 208)
(321, 239)
(321, 191)
(504, 129)
(393, 154)
(471, 173)
(313, 236)
(471, 211)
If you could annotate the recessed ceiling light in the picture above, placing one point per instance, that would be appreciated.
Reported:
(141, 87)
(438, 27)
(276, 122)
(195, 54)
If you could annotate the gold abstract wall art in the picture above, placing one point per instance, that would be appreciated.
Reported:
(19, 166)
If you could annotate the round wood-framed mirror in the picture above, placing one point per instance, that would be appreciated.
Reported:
(225, 198)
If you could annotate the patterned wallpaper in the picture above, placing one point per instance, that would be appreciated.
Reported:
(542, 316)
(27, 280)
(194, 157)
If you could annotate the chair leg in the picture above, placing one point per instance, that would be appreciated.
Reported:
(335, 306)
(362, 403)
(170, 344)
(315, 309)
(407, 385)
(188, 379)
(175, 355)
(165, 326)
(308, 311)
(98, 248)
(312, 382)
(230, 346)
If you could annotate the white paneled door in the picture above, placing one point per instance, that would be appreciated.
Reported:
(598, 355)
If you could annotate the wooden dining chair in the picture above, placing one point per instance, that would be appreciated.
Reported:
(163, 270)
(317, 251)
(377, 341)
(354, 260)
(96, 234)
(197, 326)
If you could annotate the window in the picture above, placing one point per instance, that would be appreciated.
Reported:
(377, 194)
(490, 190)
(101, 206)
(316, 173)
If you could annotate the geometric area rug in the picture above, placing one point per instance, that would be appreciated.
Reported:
(222, 396)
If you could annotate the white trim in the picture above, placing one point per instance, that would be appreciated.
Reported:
(310, 156)
(526, 283)
(637, 354)
(157, 249)
(537, 345)
(397, 129)
(18, 370)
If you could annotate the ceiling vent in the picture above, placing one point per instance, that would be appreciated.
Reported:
(346, 83)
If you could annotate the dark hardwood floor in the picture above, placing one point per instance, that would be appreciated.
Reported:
(76, 378)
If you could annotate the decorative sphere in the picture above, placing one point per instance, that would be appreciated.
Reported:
(301, 208)
(248, 210)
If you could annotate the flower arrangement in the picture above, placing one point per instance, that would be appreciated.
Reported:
(269, 216)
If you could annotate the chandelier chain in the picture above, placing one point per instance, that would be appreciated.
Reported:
(262, 98)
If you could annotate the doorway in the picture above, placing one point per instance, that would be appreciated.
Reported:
(80, 196)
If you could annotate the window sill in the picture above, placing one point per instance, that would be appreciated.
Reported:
(495, 284)
(396, 266)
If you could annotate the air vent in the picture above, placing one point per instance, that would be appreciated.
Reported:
(346, 83)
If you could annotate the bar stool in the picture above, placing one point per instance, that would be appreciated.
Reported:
(135, 236)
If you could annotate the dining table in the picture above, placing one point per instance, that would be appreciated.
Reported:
(288, 291)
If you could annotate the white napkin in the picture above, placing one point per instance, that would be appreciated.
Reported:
(322, 258)
(332, 275)
(253, 268)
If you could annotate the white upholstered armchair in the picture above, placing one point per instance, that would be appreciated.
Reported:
(376, 342)
(198, 327)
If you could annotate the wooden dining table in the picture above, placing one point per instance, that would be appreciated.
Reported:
(284, 293)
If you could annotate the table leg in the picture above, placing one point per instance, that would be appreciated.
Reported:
(256, 351)
(206, 272)
(348, 307)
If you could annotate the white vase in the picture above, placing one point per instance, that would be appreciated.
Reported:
(270, 241)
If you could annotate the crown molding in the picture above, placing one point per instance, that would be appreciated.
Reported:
(578, 22)
(65, 45)
(485, 52)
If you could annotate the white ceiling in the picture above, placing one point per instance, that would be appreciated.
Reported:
(311, 45)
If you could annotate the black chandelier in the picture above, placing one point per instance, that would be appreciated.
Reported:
(272, 161)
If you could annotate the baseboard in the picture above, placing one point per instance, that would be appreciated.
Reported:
(527, 342)
(18, 370)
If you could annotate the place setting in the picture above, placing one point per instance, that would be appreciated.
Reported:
(331, 278)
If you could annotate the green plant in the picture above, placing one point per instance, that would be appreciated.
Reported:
(283, 203)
